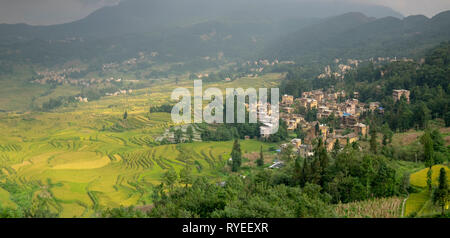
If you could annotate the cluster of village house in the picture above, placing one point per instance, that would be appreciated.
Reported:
(326, 104)
(81, 99)
(343, 67)
(120, 92)
(258, 66)
(132, 61)
(255, 68)
(61, 77)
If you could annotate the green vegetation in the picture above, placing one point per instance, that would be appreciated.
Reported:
(236, 156)
(79, 160)
(373, 208)
(420, 203)
(293, 191)
(86, 128)
(441, 194)
(260, 161)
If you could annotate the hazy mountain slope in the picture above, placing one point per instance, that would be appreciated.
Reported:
(355, 35)
(238, 28)
(234, 39)
(138, 16)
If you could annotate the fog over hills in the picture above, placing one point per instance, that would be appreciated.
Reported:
(356, 35)
(138, 16)
(242, 29)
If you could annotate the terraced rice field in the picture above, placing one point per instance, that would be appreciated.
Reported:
(82, 158)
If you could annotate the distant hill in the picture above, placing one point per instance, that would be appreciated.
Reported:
(305, 31)
(356, 35)
(141, 16)
(238, 28)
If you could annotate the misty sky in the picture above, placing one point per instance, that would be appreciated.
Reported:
(45, 12)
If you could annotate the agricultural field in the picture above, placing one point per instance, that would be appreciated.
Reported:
(85, 156)
(420, 203)
(411, 138)
(375, 208)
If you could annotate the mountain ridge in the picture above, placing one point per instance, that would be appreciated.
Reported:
(346, 35)
(272, 33)
(137, 16)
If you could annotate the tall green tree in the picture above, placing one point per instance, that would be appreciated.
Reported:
(428, 151)
(336, 149)
(305, 174)
(421, 115)
(298, 170)
(178, 135)
(260, 161)
(428, 148)
(317, 129)
(190, 133)
(320, 163)
(387, 134)
(170, 178)
(373, 139)
(322, 155)
(186, 176)
(441, 194)
(438, 141)
(236, 156)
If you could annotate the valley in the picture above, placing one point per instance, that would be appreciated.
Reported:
(363, 120)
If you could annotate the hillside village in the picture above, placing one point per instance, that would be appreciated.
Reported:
(345, 124)
(63, 77)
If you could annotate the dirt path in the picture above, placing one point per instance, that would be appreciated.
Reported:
(404, 206)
